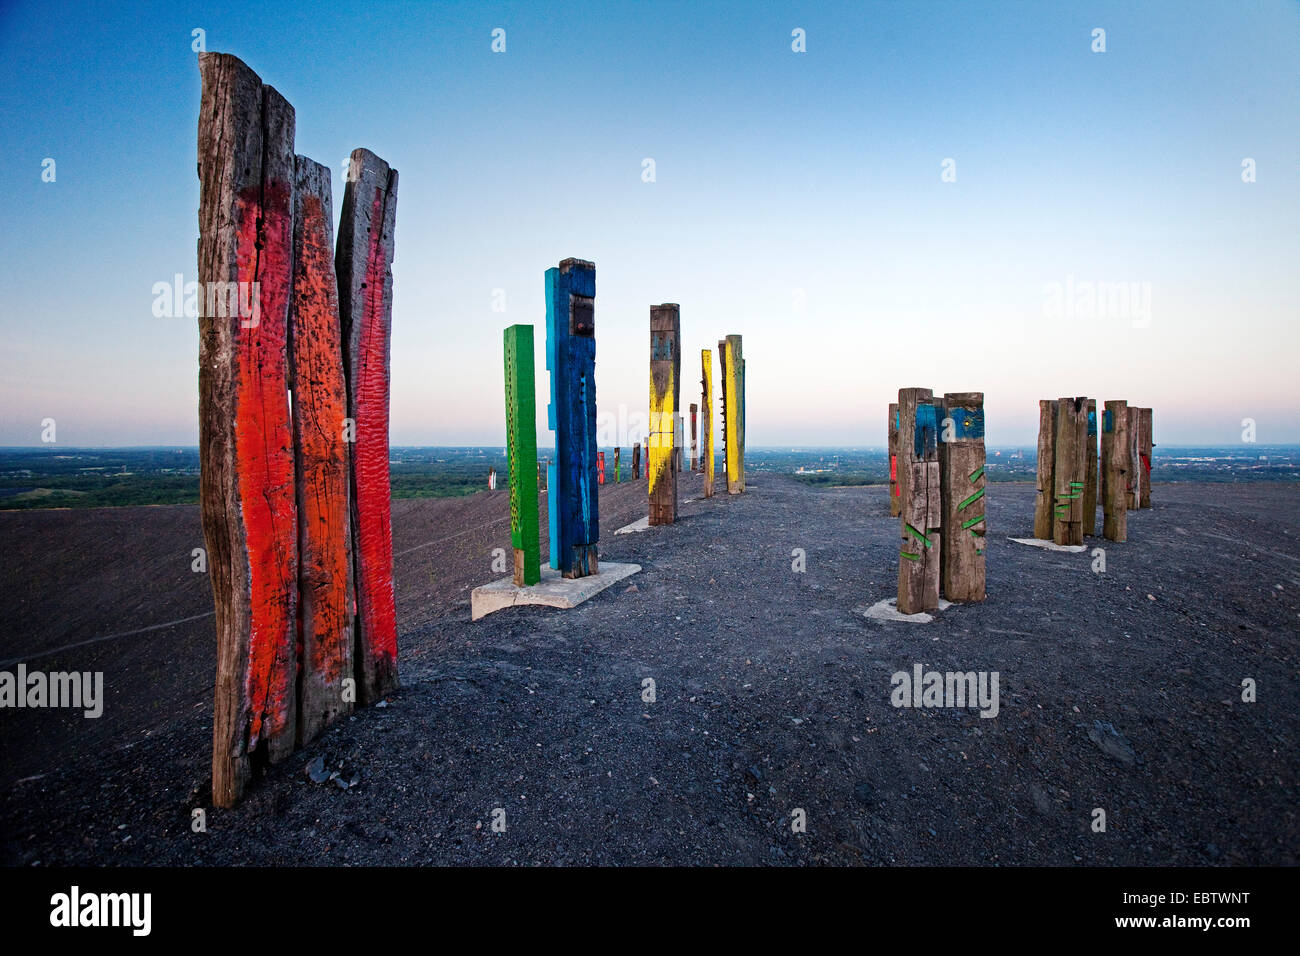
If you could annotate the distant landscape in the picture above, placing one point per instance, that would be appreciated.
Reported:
(112, 477)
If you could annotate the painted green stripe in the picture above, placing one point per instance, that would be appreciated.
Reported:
(918, 536)
(973, 498)
(909, 555)
(1077, 484)
(971, 521)
(975, 475)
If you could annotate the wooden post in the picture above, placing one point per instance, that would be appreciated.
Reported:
(364, 263)
(1069, 473)
(665, 373)
(1135, 476)
(921, 517)
(521, 444)
(320, 408)
(571, 357)
(695, 443)
(1090, 479)
(1046, 469)
(600, 467)
(1114, 470)
(636, 461)
(617, 474)
(961, 486)
(894, 499)
(733, 412)
(1145, 445)
(706, 421)
(246, 487)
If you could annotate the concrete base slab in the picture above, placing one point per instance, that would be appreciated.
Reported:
(553, 590)
(640, 524)
(887, 610)
(1051, 545)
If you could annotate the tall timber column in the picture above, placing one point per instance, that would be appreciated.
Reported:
(665, 375)
(1114, 470)
(894, 500)
(1090, 479)
(246, 172)
(521, 447)
(695, 442)
(733, 411)
(364, 263)
(1044, 503)
(1070, 470)
(636, 461)
(961, 488)
(1135, 476)
(920, 522)
(320, 431)
(1145, 444)
(571, 358)
(706, 421)
(618, 469)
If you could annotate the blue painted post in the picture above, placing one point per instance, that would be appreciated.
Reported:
(571, 359)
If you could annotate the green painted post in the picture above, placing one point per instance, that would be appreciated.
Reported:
(521, 436)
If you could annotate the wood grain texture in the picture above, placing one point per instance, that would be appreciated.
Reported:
(636, 461)
(920, 522)
(571, 358)
(695, 441)
(1114, 470)
(665, 395)
(1090, 479)
(1070, 470)
(895, 502)
(961, 487)
(1145, 446)
(733, 414)
(246, 175)
(1046, 469)
(521, 449)
(708, 465)
(320, 406)
(1135, 475)
(364, 265)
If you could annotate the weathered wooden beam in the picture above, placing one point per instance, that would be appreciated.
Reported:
(921, 510)
(600, 467)
(636, 461)
(246, 179)
(1090, 479)
(1135, 476)
(665, 376)
(521, 448)
(1145, 445)
(1070, 471)
(320, 410)
(695, 443)
(706, 421)
(733, 416)
(364, 263)
(571, 358)
(961, 488)
(617, 470)
(1114, 470)
(1046, 469)
(894, 500)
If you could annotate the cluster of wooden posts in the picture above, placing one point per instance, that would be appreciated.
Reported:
(936, 467)
(579, 467)
(293, 419)
(1071, 475)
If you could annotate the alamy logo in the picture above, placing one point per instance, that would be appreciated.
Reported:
(218, 300)
(75, 908)
(948, 689)
(76, 689)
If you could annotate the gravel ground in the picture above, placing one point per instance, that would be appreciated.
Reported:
(1119, 690)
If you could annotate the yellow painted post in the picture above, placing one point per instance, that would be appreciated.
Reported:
(733, 390)
(665, 371)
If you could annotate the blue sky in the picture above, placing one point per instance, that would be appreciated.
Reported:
(798, 200)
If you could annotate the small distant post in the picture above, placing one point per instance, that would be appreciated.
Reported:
(730, 352)
(617, 455)
(1114, 470)
(665, 373)
(1145, 444)
(894, 500)
(1071, 467)
(600, 467)
(571, 358)
(706, 419)
(919, 556)
(636, 461)
(695, 444)
(1135, 476)
(1090, 479)
(521, 441)
(1046, 469)
(961, 488)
